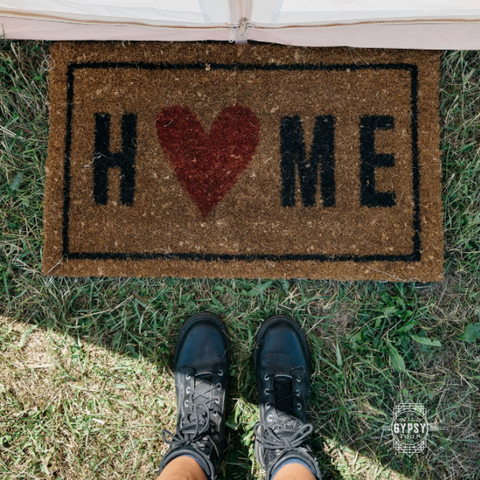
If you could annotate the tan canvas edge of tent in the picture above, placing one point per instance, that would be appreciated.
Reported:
(417, 24)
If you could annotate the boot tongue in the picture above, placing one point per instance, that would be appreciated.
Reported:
(282, 387)
(203, 386)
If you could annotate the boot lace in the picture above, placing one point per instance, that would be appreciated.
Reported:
(194, 428)
(270, 440)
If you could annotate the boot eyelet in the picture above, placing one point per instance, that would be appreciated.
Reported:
(188, 376)
(267, 391)
(186, 403)
(266, 378)
(268, 405)
(219, 386)
(187, 391)
(220, 373)
(299, 380)
(299, 407)
(217, 399)
(297, 392)
(269, 418)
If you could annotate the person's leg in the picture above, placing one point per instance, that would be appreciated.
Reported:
(282, 368)
(293, 471)
(202, 361)
(183, 468)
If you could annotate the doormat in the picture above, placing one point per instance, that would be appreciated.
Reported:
(218, 160)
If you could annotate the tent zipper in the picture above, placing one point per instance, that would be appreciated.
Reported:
(369, 23)
(46, 18)
(240, 30)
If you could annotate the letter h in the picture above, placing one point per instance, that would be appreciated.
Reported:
(103, 159)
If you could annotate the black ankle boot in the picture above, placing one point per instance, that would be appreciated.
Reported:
(202, 360)
(283, 376)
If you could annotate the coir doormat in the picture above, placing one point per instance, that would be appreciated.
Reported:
(214, 160)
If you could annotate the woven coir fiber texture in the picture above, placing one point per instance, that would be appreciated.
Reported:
(214, 160)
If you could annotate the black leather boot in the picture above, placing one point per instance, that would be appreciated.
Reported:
(283, 376)
(202, 360)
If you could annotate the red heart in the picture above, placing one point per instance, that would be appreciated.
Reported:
(208, 165)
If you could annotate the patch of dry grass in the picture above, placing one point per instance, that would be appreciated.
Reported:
(71, 409)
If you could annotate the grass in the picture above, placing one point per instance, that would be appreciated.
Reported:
(85, 364)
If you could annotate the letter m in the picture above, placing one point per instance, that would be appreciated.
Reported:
(293, 153)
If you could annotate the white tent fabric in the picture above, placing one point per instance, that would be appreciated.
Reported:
(179, 12)
(335, 11)
(432, 24)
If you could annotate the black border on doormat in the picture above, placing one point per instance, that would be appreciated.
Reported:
(413, 257)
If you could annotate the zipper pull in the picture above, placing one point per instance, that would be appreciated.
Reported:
(242, 27)
(239, 32)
